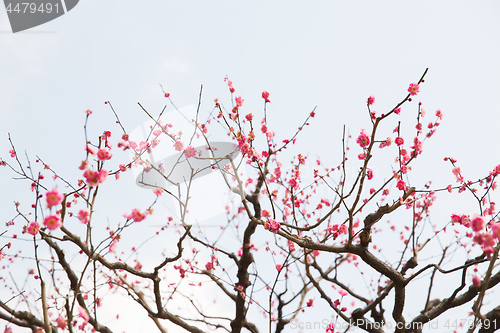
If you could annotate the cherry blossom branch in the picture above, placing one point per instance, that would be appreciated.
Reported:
(491, 322)
(116, 116)
(325, 276)
(479, 302)
(75, 190)
(452, 301)
(142, 301)
(431, 279)
(43, 293)
(421, 80)
(280, 311)
(74, 283)
(22, 318)
(218, 282)
(468, 263)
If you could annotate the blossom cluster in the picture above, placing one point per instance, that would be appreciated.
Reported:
(272, 225)
(298, 208)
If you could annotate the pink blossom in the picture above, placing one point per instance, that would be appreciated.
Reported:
(179, 145)
(477, 223)
(465, 221)
(413, 89)
(397, 111)
(54, 198)
(94, 178)
(90, 150)
(103, 174)
(61, 323)
(123, 144)
(249, 117)
(309, 303)
(456, 218)
(84, 165)
(265, 96)
(363, 139)
(190, 151)
(8, 330)
(12, 153)
(369, 174)
(279, 267)
(361, 156)
(52, 222)
(399, 141)
(488, 250)
(136, 215)
(370, 100)
(496, 171)
(342, 292)
(330, 328)
(495, 229)
(490, 210)
(272, 225)
(209, 266)
(293, 183)
(478, 238)
(84, 215)
(83, 313)
(401, 185)
(239, 101)
(244, 148)
(155, 143)
(405, 157)
(439, 114)
(487, 240)
(33, 228)
(158, 191)
(476, 281)
(386, 143)
(264, 129)
(113, 245)
(417, 147)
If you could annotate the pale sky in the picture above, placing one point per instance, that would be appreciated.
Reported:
(326, 54)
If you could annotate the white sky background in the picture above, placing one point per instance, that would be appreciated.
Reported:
(332, 55)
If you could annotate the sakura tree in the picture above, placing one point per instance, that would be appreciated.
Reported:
(299, 240)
